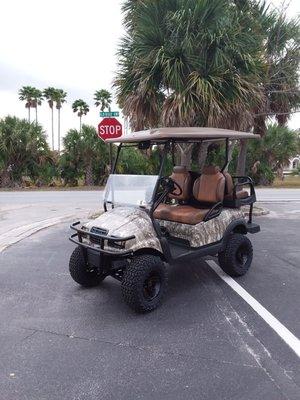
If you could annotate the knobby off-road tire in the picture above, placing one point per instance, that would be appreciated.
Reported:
(81, 272)
(144, 283)
(237, 257)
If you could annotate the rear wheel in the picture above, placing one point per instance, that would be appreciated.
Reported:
(144, 283)
(81, 272)
(237, 257)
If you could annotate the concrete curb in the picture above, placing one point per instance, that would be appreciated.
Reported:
(258, 211)
(16, 235)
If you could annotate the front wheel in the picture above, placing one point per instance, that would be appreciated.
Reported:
(144, 283)
(81, 272)
(237, 256)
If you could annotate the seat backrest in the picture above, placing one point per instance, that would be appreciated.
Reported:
(182, 176)
(210, 186)
(228, 185)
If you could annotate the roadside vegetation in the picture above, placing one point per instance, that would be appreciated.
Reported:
(27, 161)
(210, 63)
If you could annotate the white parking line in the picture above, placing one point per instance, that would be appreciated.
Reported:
(291, 340)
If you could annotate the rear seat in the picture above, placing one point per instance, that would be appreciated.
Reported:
(208, 189)
(241, 194)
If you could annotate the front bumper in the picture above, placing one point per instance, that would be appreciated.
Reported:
(102, 239)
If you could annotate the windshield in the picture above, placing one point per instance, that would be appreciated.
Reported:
(133, 190)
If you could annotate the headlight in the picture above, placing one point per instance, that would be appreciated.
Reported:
(116, 245)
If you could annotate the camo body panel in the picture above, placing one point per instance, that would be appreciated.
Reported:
(205, 232)
(127, 221)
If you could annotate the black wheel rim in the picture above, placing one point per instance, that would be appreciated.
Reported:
(242, 255)
(151, 287)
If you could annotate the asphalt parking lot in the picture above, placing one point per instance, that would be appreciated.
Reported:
(59, 341)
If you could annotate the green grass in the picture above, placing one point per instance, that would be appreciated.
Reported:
(288, 182)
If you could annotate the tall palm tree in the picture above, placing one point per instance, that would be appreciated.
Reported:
(60, 98)
(37, 98)
(103, 98)
(81, 108)
(49, 94)
(179, 65)
(26, 94)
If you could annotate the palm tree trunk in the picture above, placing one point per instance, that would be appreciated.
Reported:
(89, 180)
(230, 152)
(29, 114)
(36, 119)
(52, 123)
(80, 124)
(5, 179)
(186, 155)
(241, 164)
(58, 129)
(202, 155)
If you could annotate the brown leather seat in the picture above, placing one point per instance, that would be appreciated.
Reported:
(183, 214)
(183, 178)
(240, 194)
(208, 188)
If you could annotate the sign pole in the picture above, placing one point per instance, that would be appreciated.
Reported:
(110, 157)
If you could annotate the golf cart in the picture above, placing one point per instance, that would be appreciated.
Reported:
(151, 221)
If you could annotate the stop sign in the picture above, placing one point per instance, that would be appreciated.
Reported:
(110, 128)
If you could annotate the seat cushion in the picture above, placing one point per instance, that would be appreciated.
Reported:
(182, 214)
(242, 194)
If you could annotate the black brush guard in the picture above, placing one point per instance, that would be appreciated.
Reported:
(102, 240)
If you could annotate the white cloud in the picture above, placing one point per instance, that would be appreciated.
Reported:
(62, 43)
(67, 44)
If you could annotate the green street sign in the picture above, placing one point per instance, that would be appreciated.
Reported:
(109, 114)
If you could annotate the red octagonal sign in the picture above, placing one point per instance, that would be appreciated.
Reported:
(110, 128)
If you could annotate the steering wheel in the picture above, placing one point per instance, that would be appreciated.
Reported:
(170, 185)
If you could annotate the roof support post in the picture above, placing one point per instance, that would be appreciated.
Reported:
(113, 168)
(226, 156)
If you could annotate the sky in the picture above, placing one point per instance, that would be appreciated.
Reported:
(67, 44)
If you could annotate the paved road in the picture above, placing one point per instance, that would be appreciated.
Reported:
(278, 195)
(59, 341)
(25, 212)
(22, 208)
(92, 198)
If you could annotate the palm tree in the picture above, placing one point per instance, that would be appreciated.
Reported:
(82, 108)
(194, 75)
(23, 150)
(37, 98)
(103, 98)
(60, 98)
(84, 155)
(49, 95)
(26, 94)
(197, 63)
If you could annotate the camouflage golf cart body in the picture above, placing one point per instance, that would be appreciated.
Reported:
(149, 221)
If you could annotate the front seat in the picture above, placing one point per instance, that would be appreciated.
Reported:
(208, 190)
(183, 178)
